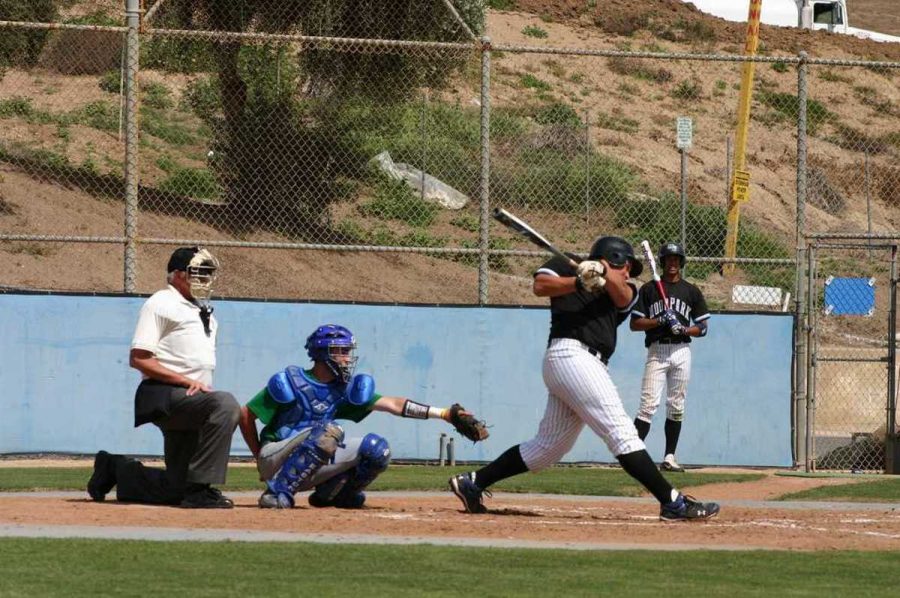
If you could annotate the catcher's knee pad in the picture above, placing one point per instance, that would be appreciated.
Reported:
(316, 450)
(374, 457)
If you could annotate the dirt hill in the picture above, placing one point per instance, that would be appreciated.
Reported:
(34, 204)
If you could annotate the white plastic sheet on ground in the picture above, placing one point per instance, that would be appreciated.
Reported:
(435, 191)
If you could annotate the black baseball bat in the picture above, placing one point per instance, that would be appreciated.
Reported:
(520, 226)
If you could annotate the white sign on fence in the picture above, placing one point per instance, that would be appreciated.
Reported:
(684, 128)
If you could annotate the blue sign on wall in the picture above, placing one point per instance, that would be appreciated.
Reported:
(67, 386)
(849, 296)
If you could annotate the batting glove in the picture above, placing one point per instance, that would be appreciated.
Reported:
(590, 274)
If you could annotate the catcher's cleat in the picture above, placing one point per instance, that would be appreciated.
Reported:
(670, 464)
(206, 497)
(104, 477)
(687, 508)
(464, 487)
(270, 500)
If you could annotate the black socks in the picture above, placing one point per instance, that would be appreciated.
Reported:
(641, 467)
(673, 431)
(507, 465)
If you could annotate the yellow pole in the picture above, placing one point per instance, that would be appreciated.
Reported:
(741, 179)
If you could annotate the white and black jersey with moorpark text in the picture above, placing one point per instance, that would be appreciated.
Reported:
(584, 316)
(685, 299)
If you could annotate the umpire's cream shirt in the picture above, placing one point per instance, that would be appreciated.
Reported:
(169, 326)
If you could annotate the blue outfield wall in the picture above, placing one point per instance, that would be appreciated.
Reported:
(67, 386)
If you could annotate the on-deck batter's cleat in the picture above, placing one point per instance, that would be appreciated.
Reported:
(103, 478)
(464, 487)
(687, 508)
(670, 464)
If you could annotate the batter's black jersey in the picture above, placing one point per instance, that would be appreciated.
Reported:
(584, 316)
(685, 299)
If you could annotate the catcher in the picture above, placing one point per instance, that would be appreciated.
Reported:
(301, 447)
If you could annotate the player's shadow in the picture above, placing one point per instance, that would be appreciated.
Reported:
(514, 513)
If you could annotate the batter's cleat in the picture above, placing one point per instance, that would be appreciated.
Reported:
(343, 500)
(206, 497)
(270, 500)
(670, 464)
(464, 487)
(688, 508)
(104, 477)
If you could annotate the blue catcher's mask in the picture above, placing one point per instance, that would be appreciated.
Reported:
(335, 346)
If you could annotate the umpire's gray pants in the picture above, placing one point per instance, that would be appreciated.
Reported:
(272, 456)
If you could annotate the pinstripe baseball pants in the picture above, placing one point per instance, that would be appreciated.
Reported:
(580, 392)
(668, 368)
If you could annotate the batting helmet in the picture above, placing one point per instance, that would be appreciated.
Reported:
(672, 248)
(320, 346)
(616, 251)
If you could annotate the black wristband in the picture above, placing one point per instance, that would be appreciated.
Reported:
(579, 286)
(414, 410)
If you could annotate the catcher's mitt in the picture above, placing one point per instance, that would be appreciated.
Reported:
(466, 424)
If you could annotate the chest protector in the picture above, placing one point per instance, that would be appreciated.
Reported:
(306, 402)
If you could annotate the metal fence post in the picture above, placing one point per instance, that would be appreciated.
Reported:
(132, 61)
(808, 410)
(799, 410)
(485, 184)
(891, 438)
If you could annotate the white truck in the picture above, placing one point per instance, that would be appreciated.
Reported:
(829, 15)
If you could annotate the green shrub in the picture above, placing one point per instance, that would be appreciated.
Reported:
(501, 4)
(202, 96)
(159, 124)
(705, 228)
(780, 67)
(617, 123)
(111, 82)
(788, 105)
(532, 31)
(687, 90)
(394, 200)
(21, 108)
(558, 113)
(467, 222)
(22, 47)
(156, 95)
(531, 82)
(192, 182)
(98, 115)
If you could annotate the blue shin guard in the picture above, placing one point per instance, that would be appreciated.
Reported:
(315, 451)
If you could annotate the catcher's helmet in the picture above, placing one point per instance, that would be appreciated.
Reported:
(672, 248)
(616, 251)
(321, 345)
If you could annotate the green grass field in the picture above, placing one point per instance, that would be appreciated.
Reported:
(886, 490)
(75, 568)
(556, 480)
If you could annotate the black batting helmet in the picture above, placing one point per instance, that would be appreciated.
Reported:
(616, 251)
(672, 248)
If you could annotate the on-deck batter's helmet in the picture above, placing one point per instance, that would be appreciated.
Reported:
(322, 344)
(616, 251)
(672, 248)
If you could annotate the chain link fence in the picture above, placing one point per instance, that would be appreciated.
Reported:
(354, 154)
(370, 143)
(852, 360)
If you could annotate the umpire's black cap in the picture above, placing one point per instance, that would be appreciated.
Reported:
(181, 258)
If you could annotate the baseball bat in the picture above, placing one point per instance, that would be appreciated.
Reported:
(520, 226)
(648, 255)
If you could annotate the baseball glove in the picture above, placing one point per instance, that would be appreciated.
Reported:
(466, 424)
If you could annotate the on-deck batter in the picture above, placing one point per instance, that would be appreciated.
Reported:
(668, 337)
(587, 304)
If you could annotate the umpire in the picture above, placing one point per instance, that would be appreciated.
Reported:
(174, 348)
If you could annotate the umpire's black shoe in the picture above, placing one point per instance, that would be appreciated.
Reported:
(204, 496)
(104, 477)
(464, 487)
